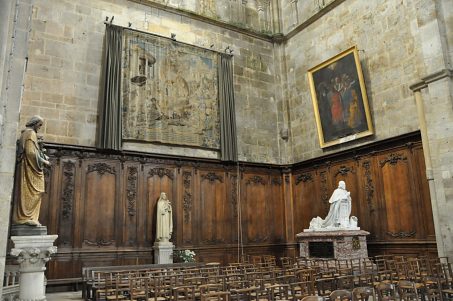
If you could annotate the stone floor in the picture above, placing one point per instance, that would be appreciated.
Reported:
(66, 296)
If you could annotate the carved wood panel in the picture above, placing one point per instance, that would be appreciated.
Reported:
(255, 210)
(102, 202)
(306, 199)
(214, 222)
(99, 227)
(398, 194)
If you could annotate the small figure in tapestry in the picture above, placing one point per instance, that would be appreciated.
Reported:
(31, 161)
(164, 219)
(339, 212)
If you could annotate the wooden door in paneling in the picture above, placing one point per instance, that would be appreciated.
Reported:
(215, 219)
(307, 202)
(100, 199)
(255, 223)
(157, 180)
(398, 194)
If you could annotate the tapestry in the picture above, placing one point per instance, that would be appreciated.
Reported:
(169, 92)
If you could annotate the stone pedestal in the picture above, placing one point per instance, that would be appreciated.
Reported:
(163, 252)
(350, 244)
(33, 252)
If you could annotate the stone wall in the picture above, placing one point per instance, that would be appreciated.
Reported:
(255, 15)
(62, 79)
(384, 32)
(297, 12)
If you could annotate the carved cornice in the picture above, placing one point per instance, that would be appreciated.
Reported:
(304, 178)
(256, 180)
(67, 198)
(101, 168)
(131, 190)
(402, 234)
(161, 172)
(393, 159)
(187, 199)
(212, 177)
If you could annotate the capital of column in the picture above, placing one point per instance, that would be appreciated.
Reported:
(33, 259)
(33, 252)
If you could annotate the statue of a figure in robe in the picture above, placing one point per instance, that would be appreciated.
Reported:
(340, 207)
(339, 212)
(164, 219)
(31, 162)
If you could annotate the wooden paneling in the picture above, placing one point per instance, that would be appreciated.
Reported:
(102, 205)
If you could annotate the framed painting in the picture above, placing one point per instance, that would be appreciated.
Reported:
(339, 99)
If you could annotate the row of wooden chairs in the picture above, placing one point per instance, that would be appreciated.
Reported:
(298, 280)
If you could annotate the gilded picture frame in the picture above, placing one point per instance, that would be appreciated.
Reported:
(339, 99)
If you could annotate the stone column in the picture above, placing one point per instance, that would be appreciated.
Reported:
(33, 252)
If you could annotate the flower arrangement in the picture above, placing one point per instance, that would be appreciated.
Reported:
(184, 256)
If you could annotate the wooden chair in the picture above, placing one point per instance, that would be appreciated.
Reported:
(138, 288)
(325, 286)
(363, 293)
(340, 295)
(183, 293)
(386, 291)
(279, 292)
(300, 290)
(407, 290)
(216, 296)
(313, 298)
(252, 293)
(345, 282)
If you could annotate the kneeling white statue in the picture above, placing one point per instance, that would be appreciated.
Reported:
(339, 212)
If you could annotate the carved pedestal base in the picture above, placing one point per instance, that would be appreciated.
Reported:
(33, 252)
(163, 252)
(333, 244)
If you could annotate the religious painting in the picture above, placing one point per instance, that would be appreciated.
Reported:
(169, 92)
(340, 100)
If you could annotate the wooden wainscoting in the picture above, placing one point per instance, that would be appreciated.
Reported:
(102, 205)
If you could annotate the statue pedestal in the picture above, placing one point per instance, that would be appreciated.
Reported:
(340, 244)
(163, 252)
(33, 252)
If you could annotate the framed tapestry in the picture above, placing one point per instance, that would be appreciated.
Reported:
(169, 92)
(339, 99)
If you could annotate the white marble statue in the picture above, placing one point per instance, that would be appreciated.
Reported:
(339, 212)
(164, 219)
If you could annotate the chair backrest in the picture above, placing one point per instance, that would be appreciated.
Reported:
(216, 296)
(407, 290)
(313, 298)
(363, 293)
(386, 291)
(340, 295)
